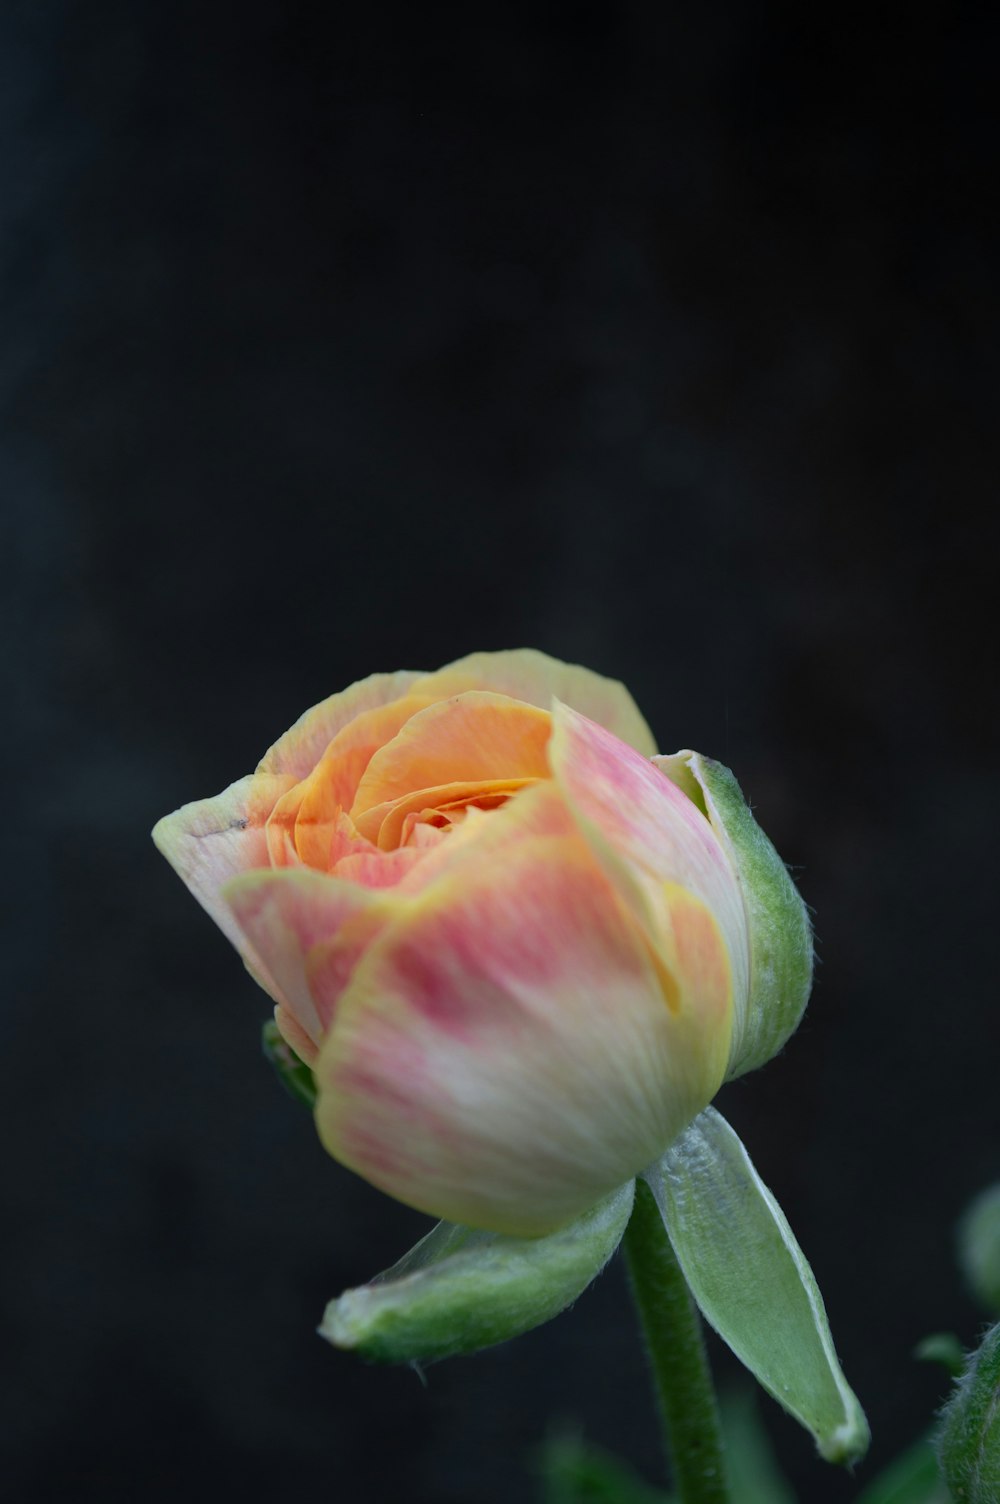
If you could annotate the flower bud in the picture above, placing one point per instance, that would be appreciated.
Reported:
(518, 951)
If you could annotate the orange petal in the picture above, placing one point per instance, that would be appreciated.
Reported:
(475, 738)
(300, 749)
(387, 823)
(332, 784)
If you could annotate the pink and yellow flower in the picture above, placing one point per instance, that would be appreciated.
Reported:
(514, 949)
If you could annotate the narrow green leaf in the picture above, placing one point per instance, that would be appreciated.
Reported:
(750, 1462)
(575, 1472)
(294, 1075)
(969, 1442)
(460, 1290)
(752, 1281)
(913, 1478)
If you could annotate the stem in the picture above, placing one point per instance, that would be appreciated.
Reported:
(676, 1348)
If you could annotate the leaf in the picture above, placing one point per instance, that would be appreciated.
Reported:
(913, 1478)
(574, 1472)
(752, 1282)
(294, 1075)
(460, 1290)
(753, 1470)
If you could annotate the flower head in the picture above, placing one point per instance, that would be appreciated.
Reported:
(518, 950)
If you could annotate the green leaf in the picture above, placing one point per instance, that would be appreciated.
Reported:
(750, 1462)
(574, 1472)
(913, 1478)
(979, 1248)
(752, 1282)
(294, 1075)
(460, 1290)
(969, 1440)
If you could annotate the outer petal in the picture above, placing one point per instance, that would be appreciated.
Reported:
(301, 747)
(504, 1055)
(287, 916)
(647, 833)
(213, 840)
(526, 674)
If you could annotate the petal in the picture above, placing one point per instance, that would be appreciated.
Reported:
(473, 738)
(300, 749)
(388, 823)
(482, 840)
(212, 840)
(294, 1035)
(332, 785)
(647, 833)
(526, 674)
(504, 1055)
(286, 916)
(379, 869)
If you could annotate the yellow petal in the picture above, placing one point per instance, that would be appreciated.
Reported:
(526, 674)
(301, 747)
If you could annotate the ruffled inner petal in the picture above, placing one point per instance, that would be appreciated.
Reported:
(472, 740)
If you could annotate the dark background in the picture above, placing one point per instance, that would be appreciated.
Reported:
(662, 338)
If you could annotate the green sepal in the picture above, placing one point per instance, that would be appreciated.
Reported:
(781, 948)
(294, 1075)
(969, 1440)
(460, 1290)
(979, 1248)
(752, 1282)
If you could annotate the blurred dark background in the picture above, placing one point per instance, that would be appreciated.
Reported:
(662, 338)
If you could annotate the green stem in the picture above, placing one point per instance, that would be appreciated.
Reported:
(672, 1331)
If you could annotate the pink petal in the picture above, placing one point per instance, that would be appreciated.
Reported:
(504, 1055)
(526, 674)
(295, 1036)
(647, 833)
(286, 916)
(212, 840)
(379, 869)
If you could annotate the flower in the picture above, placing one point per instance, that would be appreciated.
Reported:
(519, 950)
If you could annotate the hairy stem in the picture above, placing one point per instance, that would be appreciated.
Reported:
(674, 1342)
